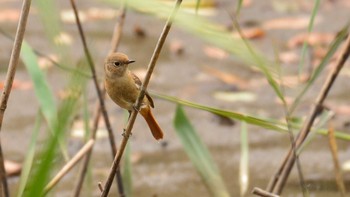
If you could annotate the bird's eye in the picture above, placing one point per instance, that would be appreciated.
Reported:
(117, 63)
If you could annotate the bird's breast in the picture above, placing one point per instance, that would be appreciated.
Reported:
(122, 91)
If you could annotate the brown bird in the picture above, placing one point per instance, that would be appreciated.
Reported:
(123, 87)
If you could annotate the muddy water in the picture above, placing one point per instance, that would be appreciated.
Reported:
(160, 170)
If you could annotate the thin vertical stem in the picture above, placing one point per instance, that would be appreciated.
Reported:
(11, 71)
(132, 118)
(100, 105)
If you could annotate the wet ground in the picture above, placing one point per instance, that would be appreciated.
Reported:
(166, 171)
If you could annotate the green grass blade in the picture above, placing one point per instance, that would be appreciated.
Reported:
(199, 155)
(48, 156)
(211, 33)
(244, 161)
(43, 92)
(235, 115)
(270, 124)
(239, 6)
(198, 2)
(261, 63)
(310, 27)
(332, 49)
(49, 14)
(28, 162)
(127, 171)
(42, 171)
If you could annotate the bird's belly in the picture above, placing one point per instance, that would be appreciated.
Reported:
(122, 94)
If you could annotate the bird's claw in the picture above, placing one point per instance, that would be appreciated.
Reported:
(124, 133)
(135, 108)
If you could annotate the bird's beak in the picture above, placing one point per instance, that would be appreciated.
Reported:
(131, 61)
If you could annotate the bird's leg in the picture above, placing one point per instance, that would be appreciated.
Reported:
(124, 129)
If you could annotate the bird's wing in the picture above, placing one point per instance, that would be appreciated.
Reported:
(138, 84)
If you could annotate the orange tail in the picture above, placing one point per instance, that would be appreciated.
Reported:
(152, 123)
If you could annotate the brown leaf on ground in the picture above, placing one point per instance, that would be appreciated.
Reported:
(250, 33)
(288, 57)
(139, 31)
(247, 3)
(21, 85)
(176, 47)
(12, 168)
(215, 52)
(287, 23)
(293, 80)
(225, 77)
(289, 100)
(339, 109)
(313, 39)
(9, 15)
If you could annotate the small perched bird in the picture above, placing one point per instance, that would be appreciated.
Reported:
(123, 87)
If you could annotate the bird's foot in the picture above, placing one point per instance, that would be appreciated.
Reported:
(135, 108)
(124, 133)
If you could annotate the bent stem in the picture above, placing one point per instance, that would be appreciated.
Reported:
(287, 165)
(11, 72)
(132, 118)
(100, 93)
(100, 109)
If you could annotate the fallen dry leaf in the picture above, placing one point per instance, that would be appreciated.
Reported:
(63, 38)
(293, 80)
(250, 33)
(21, 85)
(91, 14)
(139, 31)
(288, 100)
(176, 47)
(215, 52)
(12, 168)
(235, 96)
(101, 13)
(9, 15)
(288, 23)
(225, 77)
(339, 109)
(313, 39)
(45, 63)
(288, 57)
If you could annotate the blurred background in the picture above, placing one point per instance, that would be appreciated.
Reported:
(235, 116)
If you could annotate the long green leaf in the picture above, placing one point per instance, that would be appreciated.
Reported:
(28, 162)
(199, 155)
(261, 122)
(49, 14)
(127, 171)
(66, 112)
(310, 27)
(43, 92)
(239, 6)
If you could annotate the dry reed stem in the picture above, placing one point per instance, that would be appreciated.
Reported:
(334, 150)
(66, 168)
(114, 46)
(286, 169)
(100, 94)
(11, 72)
(259, 192)
(132, 118)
